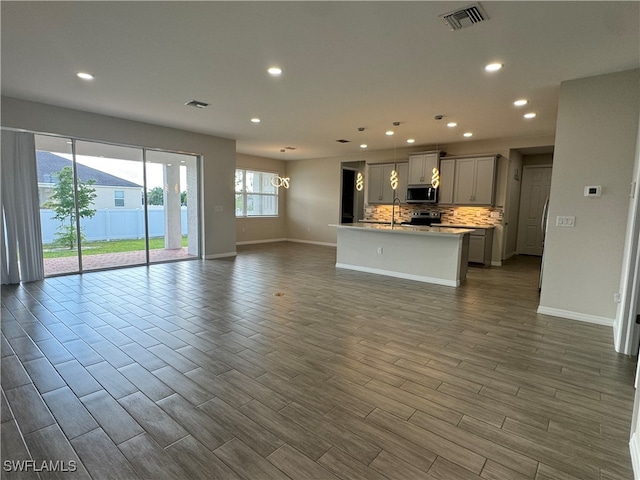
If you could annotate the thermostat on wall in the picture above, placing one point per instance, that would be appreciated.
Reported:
(593, 191)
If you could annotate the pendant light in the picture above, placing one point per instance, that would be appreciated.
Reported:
(278, 181)
(393, 179)
(435, 172)
(359, 176)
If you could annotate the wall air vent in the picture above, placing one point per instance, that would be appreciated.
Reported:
(342, 140)
(197, 104)
(464, 17)
(290, 148)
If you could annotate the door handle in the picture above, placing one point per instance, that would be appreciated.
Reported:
(543, 221)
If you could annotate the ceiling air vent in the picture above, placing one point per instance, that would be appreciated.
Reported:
(464, 17)
(197, 104)
(342, 140)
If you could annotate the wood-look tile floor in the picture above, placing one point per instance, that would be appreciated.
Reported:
(200, 369)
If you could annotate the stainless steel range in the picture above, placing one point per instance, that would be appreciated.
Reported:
(424, 218)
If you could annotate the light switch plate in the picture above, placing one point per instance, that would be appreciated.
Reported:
(565, 221)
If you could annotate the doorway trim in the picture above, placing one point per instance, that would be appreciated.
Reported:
(358, 167)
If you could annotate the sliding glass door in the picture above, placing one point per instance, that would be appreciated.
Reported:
(172, 196)
(106, 206)
(57, 204)
(109, 197)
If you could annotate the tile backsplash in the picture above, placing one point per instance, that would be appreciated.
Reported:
(450, 214)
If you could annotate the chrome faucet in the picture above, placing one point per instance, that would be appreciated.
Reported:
(393, 209)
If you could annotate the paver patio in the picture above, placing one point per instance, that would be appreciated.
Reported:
(56, 266)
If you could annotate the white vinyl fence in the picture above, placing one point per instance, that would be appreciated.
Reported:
(113, 224)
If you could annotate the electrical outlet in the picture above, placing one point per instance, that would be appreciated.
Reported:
(496, 214)
(379, 250)
(616, 298)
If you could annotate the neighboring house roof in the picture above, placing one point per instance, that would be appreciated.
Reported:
(49, 165)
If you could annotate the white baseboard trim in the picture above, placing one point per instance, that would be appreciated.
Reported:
(634, 448)
(496, 264)
(406, 276)
(616, 339)
(583, 317)
(270, 240)
(324, 244)
(220, 255)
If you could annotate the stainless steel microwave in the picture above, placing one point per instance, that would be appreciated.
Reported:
(422, 194)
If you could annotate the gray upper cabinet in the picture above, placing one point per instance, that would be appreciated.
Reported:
(421, 167)
(379, 189)
(468, 181)
(403, 181)
(447, 178)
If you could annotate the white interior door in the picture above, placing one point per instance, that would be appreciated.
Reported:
(536, 183)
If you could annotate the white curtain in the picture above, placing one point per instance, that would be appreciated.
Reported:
(20, 234)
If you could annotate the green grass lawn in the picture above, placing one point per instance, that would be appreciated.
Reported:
(113, 246)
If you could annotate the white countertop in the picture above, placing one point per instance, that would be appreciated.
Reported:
(461, 225)
(404, 229)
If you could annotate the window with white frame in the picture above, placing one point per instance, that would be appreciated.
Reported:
(118, 198)
(256, 196)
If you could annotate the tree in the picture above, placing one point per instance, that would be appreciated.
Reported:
(155, 196)
(63, 203)
(183, 199)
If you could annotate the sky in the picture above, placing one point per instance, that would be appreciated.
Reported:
(129, 170)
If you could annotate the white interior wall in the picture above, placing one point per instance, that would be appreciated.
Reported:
(595, 144)
(218, 154)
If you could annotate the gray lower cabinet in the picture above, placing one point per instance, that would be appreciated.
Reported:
(481, 246)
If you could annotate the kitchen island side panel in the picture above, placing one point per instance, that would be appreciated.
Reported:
(439, 259)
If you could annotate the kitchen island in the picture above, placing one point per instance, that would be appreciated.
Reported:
(426, 254)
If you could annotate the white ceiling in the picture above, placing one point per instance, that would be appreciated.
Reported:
(346, 65)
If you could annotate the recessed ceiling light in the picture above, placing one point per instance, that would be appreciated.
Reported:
(411, 140)
(529, 115)
(255, 120)
(364, 145)
(275, 71)
(85, 76)
(493, 67)
(452, 124)
(521, 102)
(389, 132)
(467, 134)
